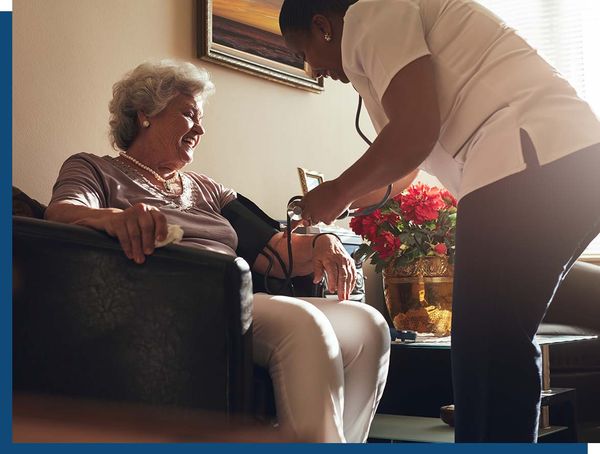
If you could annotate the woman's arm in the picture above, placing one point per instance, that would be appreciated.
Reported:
(327, 257)
(137, 227)
(376, 196)
(73, 213)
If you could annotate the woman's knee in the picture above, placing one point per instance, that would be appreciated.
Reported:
(373, 322)
(293, 324)
(364, 328)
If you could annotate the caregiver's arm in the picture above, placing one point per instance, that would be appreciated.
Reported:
(410, 103)
(377, 196)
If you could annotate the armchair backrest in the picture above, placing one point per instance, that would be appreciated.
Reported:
(577, 300)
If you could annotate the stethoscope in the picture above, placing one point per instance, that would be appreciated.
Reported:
(294, 206)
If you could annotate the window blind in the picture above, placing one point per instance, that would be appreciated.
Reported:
(567, 34)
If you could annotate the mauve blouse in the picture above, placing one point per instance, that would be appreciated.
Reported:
(106, 182)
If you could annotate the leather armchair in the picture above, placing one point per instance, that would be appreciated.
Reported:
(89, 322)
(576, 310)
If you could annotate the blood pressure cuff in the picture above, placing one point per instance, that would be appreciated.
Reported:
(253, 227)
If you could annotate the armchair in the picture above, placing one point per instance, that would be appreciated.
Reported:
(89, 322)
(576, 310)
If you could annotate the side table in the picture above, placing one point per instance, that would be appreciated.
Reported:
(420, 382)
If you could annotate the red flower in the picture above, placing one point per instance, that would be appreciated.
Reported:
(391, 218)
(440, 248)
(421, 216)
(421, 203)
(386, 245)
(356, 224)
(448, 198)
(365, 226)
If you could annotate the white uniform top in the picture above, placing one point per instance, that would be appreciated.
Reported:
(490, 83)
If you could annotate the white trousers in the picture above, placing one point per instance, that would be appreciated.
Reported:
(328, 361)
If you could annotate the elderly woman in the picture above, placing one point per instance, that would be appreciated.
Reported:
(328, 359)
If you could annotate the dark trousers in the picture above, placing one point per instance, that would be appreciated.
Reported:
(515, 241)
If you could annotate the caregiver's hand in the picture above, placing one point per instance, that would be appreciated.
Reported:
(324, 203)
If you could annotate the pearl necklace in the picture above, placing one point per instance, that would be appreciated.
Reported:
(170, 184)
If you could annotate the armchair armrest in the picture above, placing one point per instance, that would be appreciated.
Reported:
(576, 310)
(89, 322)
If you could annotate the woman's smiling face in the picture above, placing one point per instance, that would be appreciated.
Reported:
(176, 130)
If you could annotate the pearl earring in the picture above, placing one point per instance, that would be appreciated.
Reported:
(327, 37)
(145, 123)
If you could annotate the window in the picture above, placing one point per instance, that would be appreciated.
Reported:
(567, 34)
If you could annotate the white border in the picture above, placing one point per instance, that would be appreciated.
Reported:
(5, 5)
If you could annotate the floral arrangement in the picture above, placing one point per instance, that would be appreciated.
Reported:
(419, 222)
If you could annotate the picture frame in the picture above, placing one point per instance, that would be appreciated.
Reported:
(309, 179)
(244, 35)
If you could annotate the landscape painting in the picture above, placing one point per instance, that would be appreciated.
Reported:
(245, 34)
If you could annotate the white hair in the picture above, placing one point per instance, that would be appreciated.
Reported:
(148, 89)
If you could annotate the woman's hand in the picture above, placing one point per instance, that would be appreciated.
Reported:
(329, 256)
(324, 203)
(137, 228)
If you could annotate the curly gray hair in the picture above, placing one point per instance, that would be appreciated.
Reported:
(148, 89)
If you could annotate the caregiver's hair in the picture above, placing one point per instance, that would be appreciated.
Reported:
(148, 89)
(297, 14)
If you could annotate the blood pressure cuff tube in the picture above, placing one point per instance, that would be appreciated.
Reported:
(253, 227)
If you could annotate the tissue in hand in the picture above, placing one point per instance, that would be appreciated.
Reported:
(174, 235)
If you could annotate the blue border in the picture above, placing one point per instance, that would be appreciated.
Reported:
(6, 221)
(303, 448)
(6, 342)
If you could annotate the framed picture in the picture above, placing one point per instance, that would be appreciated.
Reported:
(244, 34)
(309, 179)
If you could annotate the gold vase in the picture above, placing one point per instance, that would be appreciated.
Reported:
(418, 296)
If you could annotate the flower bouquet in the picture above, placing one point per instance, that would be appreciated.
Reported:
(411, 239)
